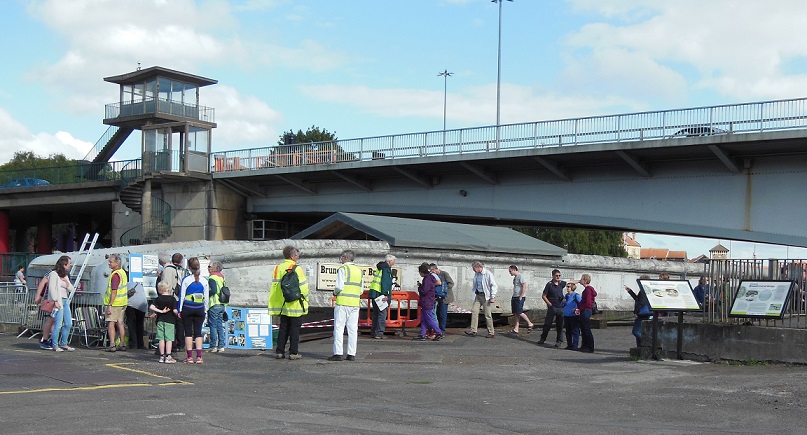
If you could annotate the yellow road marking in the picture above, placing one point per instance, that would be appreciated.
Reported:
(96, 387)
(102, 387)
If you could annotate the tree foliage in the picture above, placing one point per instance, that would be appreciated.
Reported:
(29, 160)
(313, 135)
(577, 241)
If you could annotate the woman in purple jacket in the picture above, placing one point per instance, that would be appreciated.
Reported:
(426, 304)
(584, 308)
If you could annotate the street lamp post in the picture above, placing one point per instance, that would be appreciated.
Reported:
(445, 75)
(499, 75)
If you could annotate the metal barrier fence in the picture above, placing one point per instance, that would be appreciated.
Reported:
(18, 308)
(724, 280)
(666, 124)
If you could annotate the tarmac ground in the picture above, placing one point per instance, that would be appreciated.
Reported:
(462, 384)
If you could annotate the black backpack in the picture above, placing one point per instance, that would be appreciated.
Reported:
(224, 295)
(290, 285)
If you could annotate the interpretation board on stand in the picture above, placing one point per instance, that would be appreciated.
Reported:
(247, 328)
(761, 299)
(669, 295)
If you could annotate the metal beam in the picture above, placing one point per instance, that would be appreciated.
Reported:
(635, 164)
(414, 176)
(356, 181)
(553, 168)
(724, 158)
(240, 188)
(296, 184)
(481, 173)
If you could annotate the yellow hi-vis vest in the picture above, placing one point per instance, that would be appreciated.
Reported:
(277, 303)
(350, 296)
(214, 300)
(375, 285)
(121, 298)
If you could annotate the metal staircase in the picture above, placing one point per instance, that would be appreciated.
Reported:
(110, 141)
(158, 227)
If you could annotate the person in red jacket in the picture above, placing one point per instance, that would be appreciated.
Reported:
(584, 308)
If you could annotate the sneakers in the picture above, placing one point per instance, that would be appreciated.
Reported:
(162, 359)
(213, 350)
(351, 358)
(470, 332)
(419, 338)
(438, 337)
(489, 336)
(280, 355)
(221, 349)
(57, 349)
(45, 345)
(170, 360)
(335, 358)
(294, 356)
(557, 344)
(67, 348)
(200, 361)
(541, 341)
(189, 360)
(379, 336)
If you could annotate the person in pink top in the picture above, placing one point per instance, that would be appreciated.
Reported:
(59, 288)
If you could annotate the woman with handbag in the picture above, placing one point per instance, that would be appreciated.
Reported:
(59, 288)
(46, 305)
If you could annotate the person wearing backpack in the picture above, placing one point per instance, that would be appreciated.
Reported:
(443, 292)
(641, 309)
(173, 274)
(288, 299)
(381, 286)
(218, 306)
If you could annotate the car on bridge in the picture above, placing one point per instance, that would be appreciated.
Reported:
(698, 130)
(24, 182)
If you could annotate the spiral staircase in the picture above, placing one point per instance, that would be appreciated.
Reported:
(158, 227)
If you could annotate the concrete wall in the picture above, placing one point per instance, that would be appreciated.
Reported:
(227, 214)
(735, 342)
(189, 204)
(249, 265)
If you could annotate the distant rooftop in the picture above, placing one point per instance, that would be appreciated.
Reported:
(142, 74)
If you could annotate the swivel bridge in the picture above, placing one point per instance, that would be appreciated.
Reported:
(729, 172)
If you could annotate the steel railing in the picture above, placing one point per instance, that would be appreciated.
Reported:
(159, 106)
(73, 172)
(101, 143)
(666, 124)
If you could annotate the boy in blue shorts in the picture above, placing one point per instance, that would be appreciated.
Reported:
(166, 308)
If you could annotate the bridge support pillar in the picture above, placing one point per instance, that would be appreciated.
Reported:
(4, 233)
(44, 234)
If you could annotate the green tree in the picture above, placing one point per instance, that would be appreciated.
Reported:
(578, 241)
(25, 164)
(315, 144)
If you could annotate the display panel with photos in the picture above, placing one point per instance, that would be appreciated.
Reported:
(764, 299)
(669, 295)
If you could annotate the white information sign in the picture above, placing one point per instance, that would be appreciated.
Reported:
(766, 299)
(669, 295)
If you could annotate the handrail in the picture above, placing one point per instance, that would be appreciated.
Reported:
(157, 228)
(101, 142)
(73, 172)
(651, 125)
(150, 106)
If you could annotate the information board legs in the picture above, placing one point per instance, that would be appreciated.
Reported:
(654, 335)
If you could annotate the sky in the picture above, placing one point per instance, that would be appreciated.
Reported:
(364, 68)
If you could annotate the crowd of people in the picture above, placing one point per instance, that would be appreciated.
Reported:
(184, 303)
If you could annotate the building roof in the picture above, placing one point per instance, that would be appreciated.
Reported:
(630, 241)
(403, 232)
(719, 248)
(142, 75)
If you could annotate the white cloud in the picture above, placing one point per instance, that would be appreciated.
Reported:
(16, 137)
(243, 121)
(737, 51)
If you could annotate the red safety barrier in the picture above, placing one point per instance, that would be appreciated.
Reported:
(404, 311)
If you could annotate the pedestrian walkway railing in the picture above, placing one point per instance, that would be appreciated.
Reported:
(665, 124)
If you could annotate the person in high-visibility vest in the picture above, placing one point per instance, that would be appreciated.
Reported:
(290, 313)
(115, 301)
(346, 311)
(381, 286)
(215, 315)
